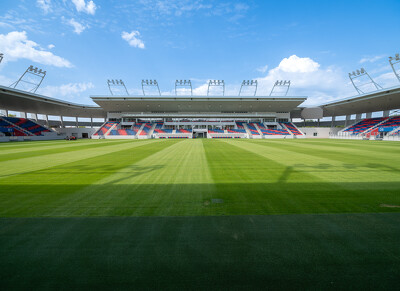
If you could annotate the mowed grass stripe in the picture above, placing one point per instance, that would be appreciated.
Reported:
(54, 150)
(351, 159)
(322, 167)
(361, 144)
(30, 164)
(185, 162)
(56, 144)
(182, 177)
(371, 153)
(258, 184)
(46, 191)
(173, 181)
(15, 145)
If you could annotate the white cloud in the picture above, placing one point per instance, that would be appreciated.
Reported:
(295, 64)
(78, 28)
(64, 90)
(45, 5)
(50, 46)
(371, 59)
(82, 6)
(308, 79)
(262, 69)
(201, 90)
(132, 39)
(16, 45)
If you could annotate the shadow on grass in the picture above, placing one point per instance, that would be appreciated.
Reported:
(114, 198)
(351, 251)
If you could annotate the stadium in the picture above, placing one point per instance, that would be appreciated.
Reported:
(251, 191)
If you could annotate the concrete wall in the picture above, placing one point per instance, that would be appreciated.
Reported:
(72, 131)
(319, 132)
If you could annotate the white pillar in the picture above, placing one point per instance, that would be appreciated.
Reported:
(368, 115)
(62, 121)
(358, 117)
(47, 120)
(76, 121)
(91, 122)
(386, 113)
(333, 121)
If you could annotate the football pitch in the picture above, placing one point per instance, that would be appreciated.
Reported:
(197, 214)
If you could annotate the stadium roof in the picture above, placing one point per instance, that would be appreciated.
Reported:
(183, 104)
(22, 101)
(386, 99)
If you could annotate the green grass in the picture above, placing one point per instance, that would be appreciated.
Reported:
(118, 214)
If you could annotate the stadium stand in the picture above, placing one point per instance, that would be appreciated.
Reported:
(184, 131)
(275, 132)
(165, 130)
(146, 129)
(237, 130)
(292, 128)
(239, 124)
(392, 122)
(364, 125)
(216, 130)
(28, 126)
(252, 128)
(105, 127)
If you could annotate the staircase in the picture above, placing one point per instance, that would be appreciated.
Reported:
(140, 129)
(152, 130)
(111, 128)
(285, 127)
(247, 130)
(258, 129)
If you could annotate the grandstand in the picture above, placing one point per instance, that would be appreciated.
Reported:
(168, 117)
(14, 126)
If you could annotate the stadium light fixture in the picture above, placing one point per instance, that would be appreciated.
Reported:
(395, 64)
(115, 86)
(360, 73)
(182, 86)
(1, 57)
(249, 83)
(150, 83)
(280, 88)
(216, 83)
(32, 76)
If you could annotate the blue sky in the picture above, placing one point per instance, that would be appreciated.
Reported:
(83, 43)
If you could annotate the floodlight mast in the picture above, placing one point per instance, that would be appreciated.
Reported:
(393, 61)
(116, 83)
(33, 71)
(216, 83)
(183, 84)
(280, 84)
(249, 83)
(150, 83)
(1, 57)
(359, 73)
